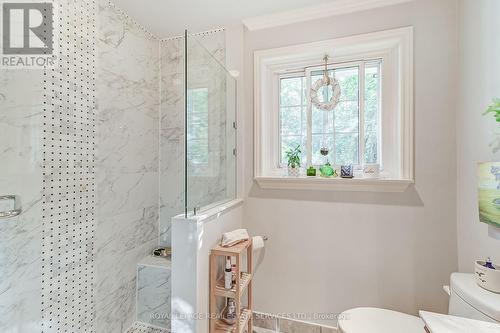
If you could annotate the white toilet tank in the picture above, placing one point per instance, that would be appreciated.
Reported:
(469, 300)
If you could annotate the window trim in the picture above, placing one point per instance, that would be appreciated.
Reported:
(395, 47)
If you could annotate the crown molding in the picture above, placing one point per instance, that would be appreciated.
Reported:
(333, 8)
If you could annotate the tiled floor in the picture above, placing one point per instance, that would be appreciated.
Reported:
(322, 330)
(264, 323)
(262, 330)
(142, 328)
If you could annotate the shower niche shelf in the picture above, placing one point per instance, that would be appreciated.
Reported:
(243, 284)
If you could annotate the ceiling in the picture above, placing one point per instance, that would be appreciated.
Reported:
(169, 18)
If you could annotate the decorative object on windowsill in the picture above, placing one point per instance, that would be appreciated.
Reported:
(346, 171)
(311, 171)
(322, 83)
(164, 252)
(327, 171)
(371, 171)
(494, 108)
(293, 157)
(488, 179)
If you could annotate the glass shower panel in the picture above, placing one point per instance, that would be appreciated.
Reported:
(210, 129)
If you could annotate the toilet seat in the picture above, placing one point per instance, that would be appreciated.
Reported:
(373, 320)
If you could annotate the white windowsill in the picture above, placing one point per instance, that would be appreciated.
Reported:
(334, 184)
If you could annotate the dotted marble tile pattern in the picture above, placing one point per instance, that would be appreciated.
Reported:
(68, 193)
(143, 328)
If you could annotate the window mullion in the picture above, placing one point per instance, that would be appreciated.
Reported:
(334, 148)
(361, 113)
(309, 119)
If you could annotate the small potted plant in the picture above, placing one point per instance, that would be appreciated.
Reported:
(293, 157)
(494, 108)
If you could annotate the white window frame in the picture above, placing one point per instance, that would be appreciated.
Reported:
(395, 48)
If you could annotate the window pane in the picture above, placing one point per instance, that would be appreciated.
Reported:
(349, 83)
(293, 120)
(291, 91)
(372, 112)
(346, 117)
(322, 121)
(346, 149)
(371, 147)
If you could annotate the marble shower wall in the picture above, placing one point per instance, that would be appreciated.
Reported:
(127, 163)
(153, 291)
(211, 185)
(21, 109)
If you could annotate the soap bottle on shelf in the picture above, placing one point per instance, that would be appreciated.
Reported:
(489, 263)
(228, 275)
(229, 314)
(233, 271)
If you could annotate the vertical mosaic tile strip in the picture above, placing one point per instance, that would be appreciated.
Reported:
(68, 172)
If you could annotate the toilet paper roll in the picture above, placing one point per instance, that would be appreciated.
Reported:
(257, 243)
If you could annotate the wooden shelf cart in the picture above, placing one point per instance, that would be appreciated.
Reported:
(243, 283)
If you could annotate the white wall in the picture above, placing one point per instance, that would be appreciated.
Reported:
(192, 240)
(331, 251)
(480, 82)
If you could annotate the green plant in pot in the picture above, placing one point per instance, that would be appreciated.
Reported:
(494, 109)
(293, 158)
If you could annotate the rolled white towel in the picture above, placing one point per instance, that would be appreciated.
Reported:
(257, 243)
(234, 237)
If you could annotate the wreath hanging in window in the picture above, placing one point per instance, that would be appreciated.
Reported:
(326, 81)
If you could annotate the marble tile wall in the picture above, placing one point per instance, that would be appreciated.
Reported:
(210, 186)
(21, 109)
(153, 292)
(126, 163)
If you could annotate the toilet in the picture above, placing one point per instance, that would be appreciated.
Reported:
(467, 299)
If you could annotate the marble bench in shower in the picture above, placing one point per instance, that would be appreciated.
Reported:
(153, 292)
